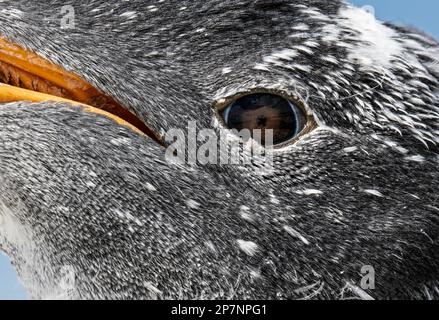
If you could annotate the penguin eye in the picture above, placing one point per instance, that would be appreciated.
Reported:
(265, 111)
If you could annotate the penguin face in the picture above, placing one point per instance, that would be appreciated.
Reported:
(351, 187)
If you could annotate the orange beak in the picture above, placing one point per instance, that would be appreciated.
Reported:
(25, 76)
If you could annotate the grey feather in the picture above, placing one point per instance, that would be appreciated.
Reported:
(78, 190)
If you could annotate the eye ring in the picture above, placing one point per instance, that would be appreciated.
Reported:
(287, 115)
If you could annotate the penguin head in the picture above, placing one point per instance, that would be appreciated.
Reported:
(353, 110)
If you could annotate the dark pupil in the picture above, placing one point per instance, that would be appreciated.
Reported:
(264, 111)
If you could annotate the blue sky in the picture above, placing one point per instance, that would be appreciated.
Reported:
(10, 287)
(422, 13)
